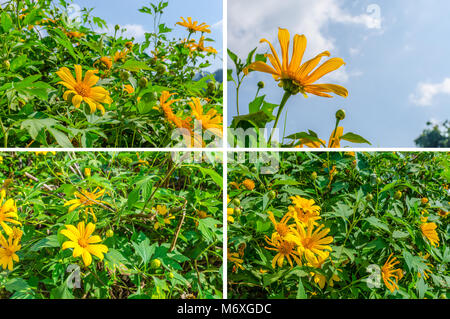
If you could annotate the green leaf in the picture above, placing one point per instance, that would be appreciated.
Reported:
(49, 241)
(354, 138)
(60, 138)
(377, 223)
(207, 227)
(135, 66)
(301, 294)
(34, 126)
(144, 250)
(16, 284)
(399, 234)
(255, 105)
(6, 22)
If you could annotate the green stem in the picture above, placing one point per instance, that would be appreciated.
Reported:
(286, 97)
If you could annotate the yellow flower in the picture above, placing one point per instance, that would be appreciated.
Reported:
(105, 62)
(83, 242)
(249, 184)
(200, 46)
(335, 138)
(284, 249)
(443, 213)
(8, 249)
(390, 275)
(312, 243)
(120, 55)
(74, 34)
(163, 211)
(194, 26)
(129, 44)
(211, 120)
(429, 231)
(334, 141)
(128, 88)
(17, 233)
(302, 75)
(426, 271)
(84, 90)
(87, 172)
(8, 213)
(424, 200)
(86, 199)
(281, 228)
(234, 258)
(305, 210)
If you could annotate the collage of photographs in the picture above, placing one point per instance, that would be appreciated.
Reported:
(224, 150)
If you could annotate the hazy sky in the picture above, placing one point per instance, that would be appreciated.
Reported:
(395, 72)
(126, 14)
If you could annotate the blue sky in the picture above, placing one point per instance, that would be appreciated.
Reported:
(395, 52)
(126, 14)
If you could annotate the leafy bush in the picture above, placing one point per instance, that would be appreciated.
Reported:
(65, 83)
(158, 226)
(340, 225)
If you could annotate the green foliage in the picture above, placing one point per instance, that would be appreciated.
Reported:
(151, 253)
(365, 229)
(37, 39)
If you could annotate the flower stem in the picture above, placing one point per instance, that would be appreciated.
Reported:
(286, 97)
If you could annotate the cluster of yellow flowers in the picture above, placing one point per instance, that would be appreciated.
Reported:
(81, 237)
(210, 121)
(247, 183)
(10, 246)
(193, 27)
(302, 239)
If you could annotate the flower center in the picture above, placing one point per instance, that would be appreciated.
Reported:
(83, 90)
(308, 243)
(282, 229)
(286, 248)
(8, 252)
(83, 242)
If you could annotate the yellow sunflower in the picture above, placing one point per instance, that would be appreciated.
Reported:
(8, 213)
(312, 242)
(390, 275)
(284, 249)
(86, 199)
(304, 210)
(193, 26)
(210, 121)
(162, 211)
(8, 249)
(83, 242)
(281, 228)
(303, 76)
(84, 90)
(235, 259)
(200, 46)
(429, 231)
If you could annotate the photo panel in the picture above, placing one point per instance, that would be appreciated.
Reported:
(111, 225)
(111, 74)
(338, 225)
(332, 74)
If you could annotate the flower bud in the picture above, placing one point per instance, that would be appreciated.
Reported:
(340, 115)
(117, 27)
(7, 65)
(261, 85)
(156, 263)
(143, 82)
(313, 175)
(109, 233)
(124, 75)
(236, 202)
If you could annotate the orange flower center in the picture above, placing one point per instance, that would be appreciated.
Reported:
(286, 248)
(82, 89)
(8, 252)
(83, 242)
(282, 229)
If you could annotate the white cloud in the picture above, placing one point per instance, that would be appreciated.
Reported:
(132, 30)
(251, 20)
(427, 91)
